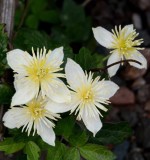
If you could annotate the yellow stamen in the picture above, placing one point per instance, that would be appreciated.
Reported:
(124, 42)
(39, 69)
(35, 109)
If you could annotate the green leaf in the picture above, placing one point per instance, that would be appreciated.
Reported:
(113, 133)
(57, 152)
(3, 42)
(38, 6)
(96, 152)
(78, 137)
(51, 16)
(65, 126)
(10, 146)
(72, 154)
(28, 38)
(77, 25)
(6, 94)
(32, 21)
(32, 150)
(88, 60)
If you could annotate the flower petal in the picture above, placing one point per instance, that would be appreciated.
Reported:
(106, 89)
(93, 124)
(115, 57)
(12, 117)
(56, 57)
(127, 29)
(26, 90)
(9, 120)
(74, 74)
(56, 90)
(103, 36)
(17, 59)
(136, 55)
(46, 133)
(57, 107)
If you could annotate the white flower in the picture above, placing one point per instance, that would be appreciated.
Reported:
(88, 95)
(35, 73)
(123, 45)
(36, 114)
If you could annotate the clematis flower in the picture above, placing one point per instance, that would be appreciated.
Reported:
(35, 116)
(88, 95)
(38, 72)
(123, 44)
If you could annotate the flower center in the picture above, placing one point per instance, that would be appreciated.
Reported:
(38, 69)
(125, 42)
(86, 94)
(36, 110)
(41, 72)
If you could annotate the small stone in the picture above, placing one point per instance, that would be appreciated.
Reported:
(137, 21)
(143, 132)
(147, 17)
(121, 150)
(144, 4)
(135, 155)
(138, 83)
(147, 106)
(129, 116)
(131, 73)
(146, 54)
(113, 115)
(143, 93)
(145, 34)
(123, 96)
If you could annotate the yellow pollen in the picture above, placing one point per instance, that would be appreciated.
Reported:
(41, 73)
(86, 94)
(38, 68)
(35, 109)
(124, 42)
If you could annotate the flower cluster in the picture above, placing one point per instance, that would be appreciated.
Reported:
(41, 94)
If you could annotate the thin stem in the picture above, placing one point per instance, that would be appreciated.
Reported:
(113, 64)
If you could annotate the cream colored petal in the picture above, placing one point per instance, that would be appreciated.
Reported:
(56, 90)
(103, 36)
(136, 55)
(74, 74)
(106, 89)
(46, 133)
(9, 120)
(114, 57)
(26, 91)
(127, 29)
(15, 118)
(17, 59)
(93, 124)
(57, 107)
(56, 57)
(19, 81)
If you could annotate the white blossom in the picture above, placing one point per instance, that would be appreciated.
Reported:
(123, 44)
(38, 73)
(35, 117)
(88, 95)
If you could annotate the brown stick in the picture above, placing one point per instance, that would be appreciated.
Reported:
(7, 11)
(122, 61)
